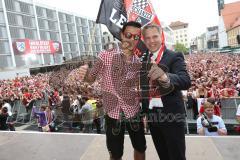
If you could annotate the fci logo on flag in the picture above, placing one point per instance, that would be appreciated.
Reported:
(140, 11)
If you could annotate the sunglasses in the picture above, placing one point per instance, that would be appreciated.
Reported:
(130, 35)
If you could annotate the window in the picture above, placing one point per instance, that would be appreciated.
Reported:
(83, 21)
(3, 32)
(62, 17)
(12, 19)
(4, 47)
(1, 5)
(42, 35)
(31, 34)
(73, 47)
(46, 24)
(44, 12)
(24, 7)
(52, 25)
(21, 33)
(48, 37)
(85, 39)
(80, 38)
(54, 36)
(45, 35)
(69, 18)
(66, 47)
(79, 30)
(86, 47)
(78, 21)
(72, 38)
(70, 28)
(17, 32)
(39, 11)
(65, 37)
(97, 40)
(28, 21)
(2, 20)
(43, 24)
(63, 27)
(97, 31)
(10, 5)
(91, 24)
(98, 47)
(5, 61)
(50, 14)
(19, 20)
(94, 48)
(82, 48)
(85, 30)
(47, 59)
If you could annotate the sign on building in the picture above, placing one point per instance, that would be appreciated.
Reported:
(27, 46)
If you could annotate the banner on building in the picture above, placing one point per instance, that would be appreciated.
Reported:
(28, 46)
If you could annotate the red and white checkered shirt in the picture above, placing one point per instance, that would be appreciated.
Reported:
(119, 82)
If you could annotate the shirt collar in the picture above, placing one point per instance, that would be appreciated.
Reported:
(155, 54)
(134, 57)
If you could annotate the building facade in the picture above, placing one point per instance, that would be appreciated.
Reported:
(229, 24)
(25, 19)
(199, 43)
(222, 34)
(212, 38)
(234, 35)
(109, 42)
(169, 36)
(181, 33)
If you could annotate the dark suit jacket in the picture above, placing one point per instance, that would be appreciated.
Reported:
(173, 63)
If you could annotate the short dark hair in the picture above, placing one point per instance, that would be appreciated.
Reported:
(151, 26)
(130, 23)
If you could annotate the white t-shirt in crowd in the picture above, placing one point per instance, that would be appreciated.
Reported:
(218, 122)
(8, 106)
(238, 110)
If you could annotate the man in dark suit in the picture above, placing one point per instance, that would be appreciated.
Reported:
(162, 79)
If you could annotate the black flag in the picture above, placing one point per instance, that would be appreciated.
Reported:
(112, 13)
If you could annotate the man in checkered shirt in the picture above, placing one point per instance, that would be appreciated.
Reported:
(118, 71)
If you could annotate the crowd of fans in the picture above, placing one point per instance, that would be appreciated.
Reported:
(214, 76)
(60, 93)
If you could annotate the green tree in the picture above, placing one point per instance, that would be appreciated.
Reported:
(181, 48)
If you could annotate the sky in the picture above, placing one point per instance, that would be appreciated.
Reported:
(199, 14)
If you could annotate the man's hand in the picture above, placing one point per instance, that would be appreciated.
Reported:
(156, 73)
(83, 72)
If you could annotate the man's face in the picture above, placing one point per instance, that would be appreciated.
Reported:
(130, 37)
(209, 112)
(152, 39)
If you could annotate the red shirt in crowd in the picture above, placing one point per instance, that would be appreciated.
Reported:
(26, 98)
